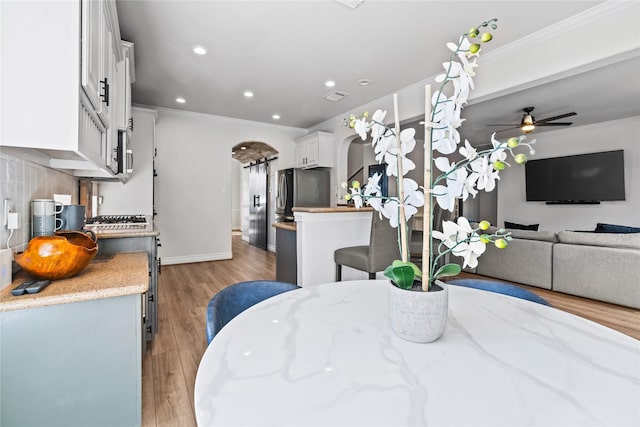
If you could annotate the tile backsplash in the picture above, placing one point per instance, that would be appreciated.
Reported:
(21, 181)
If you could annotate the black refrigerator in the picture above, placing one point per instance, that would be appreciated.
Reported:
(301, 188)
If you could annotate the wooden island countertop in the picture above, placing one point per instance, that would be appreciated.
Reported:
(289, 225)
(106, 276)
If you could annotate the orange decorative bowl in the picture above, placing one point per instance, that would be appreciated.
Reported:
(58, 257)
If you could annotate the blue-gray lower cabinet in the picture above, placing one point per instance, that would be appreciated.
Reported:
(76, 364)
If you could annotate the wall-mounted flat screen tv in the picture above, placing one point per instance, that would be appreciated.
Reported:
(590, 177)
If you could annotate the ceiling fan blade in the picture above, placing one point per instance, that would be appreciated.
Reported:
(561, 116)
(504, 130)
(555, 124)
(504, 124)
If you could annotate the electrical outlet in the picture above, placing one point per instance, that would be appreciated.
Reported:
(7, 208)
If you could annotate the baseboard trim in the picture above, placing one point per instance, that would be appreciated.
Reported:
(196, 258)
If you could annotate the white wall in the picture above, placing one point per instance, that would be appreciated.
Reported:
(607, 136)
(194, 183)
(236, 192)
(136, 195)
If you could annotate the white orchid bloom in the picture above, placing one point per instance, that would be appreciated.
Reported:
(467, 65)
(461, 83)
(392, 164)
(356, 196)
(463, 241)
(361, 127)
(469, 188)
(442, 163)
(373, 186)
(377, 129)
(451, 233)
(439, 101)
(470, 252)
(412, 195)
(407, 140)
(483, 174)
(499, 152)
(445, 138)
(382, 145)
(445, 197)
(468, 151)
(391, 211)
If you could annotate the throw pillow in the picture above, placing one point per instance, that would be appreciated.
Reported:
(516, 226)
(613, 228)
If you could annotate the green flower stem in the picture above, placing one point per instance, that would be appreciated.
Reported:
(431, 261)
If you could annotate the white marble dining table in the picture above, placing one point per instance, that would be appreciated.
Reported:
(326, 356)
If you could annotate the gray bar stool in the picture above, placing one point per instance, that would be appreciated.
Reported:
(382, 250)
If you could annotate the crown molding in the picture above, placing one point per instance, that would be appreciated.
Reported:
(204, 116)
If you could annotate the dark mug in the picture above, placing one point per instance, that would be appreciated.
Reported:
(72, 217)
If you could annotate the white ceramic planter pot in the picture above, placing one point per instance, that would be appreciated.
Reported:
(416, 315)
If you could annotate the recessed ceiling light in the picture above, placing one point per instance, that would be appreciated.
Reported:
(248, 94)
(276, 117)
(364, 82)
(199, 50)
(181, 100)
(330, 83)
(243, 148)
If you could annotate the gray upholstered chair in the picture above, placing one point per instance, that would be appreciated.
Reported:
(382, 250)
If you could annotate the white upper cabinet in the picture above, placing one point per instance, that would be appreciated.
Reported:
(92, 40)
(314, 150)
(72, 71)
(122, 118)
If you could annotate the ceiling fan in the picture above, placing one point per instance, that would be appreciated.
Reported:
(529, 123)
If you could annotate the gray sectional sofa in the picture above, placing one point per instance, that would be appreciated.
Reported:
(600, 266)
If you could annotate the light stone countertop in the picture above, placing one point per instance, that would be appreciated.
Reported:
(336, 209)
(106, 276)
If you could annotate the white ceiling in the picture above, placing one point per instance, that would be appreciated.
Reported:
(284, 51)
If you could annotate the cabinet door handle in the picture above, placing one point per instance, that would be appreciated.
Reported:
(105, 90)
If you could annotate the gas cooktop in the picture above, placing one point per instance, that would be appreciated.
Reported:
(117, 219)
(106, 223)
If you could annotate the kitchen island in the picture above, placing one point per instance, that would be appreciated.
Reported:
(72, 354)
(320, 231)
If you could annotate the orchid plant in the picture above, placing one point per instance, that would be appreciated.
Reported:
(478, 170)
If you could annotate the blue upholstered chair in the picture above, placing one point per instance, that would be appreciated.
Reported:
(500, 288)
(233, 300)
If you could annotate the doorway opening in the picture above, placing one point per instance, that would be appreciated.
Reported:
(250, 205)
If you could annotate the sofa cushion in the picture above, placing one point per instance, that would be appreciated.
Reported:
(516, 226)
(612, 228)
(544, 236)
(613, 240)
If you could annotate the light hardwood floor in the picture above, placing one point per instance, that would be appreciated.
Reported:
(171, 362)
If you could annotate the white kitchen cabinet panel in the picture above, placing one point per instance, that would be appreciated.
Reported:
(314, 150)
(71, 136)
(92, 39)
(122, 88)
